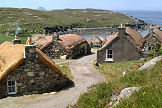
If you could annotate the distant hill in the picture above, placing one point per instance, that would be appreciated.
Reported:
(33, 21)
(41, 9)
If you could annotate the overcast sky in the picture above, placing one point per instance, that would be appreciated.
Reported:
(80, 4)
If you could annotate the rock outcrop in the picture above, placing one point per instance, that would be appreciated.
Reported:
(150, 64)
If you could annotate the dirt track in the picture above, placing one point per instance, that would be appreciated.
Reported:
(84, 76)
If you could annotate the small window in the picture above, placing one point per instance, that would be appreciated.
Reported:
(12, 89)
(109, 55)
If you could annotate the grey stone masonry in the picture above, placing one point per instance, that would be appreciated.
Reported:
(55, 51)
(33, 77)
(121, 31)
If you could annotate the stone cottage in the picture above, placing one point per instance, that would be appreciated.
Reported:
(125, 45)
(71, 45)
(26, 70)
(94, 41)
(153, 39)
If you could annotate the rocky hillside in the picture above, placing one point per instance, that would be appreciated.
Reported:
(33, 21)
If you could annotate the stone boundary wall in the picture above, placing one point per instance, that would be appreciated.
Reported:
(100, 30)
(104, 30)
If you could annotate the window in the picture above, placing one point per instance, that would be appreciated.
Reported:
(109, 55)
(12, 89)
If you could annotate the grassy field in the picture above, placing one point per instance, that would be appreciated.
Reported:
(4, 38)
(33, 21)
(148, 97)
(66, 70)
(114, 71)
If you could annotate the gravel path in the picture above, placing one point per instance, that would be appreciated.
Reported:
(84, 76)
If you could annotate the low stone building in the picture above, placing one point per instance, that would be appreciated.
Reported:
(95, 42)
(125, 45)
(26, 70)
(71, 45)
(153, 39)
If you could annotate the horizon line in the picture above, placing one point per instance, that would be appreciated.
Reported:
(81, 8)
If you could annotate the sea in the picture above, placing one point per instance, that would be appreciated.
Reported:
(151, 17)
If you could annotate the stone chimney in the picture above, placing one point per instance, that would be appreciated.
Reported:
(30, 52)
(151, 29)
(55, 39)
(16, 40)
(56, 36)
(121, 31)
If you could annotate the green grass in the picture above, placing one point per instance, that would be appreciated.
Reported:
(113, 71)
(66, 70)
(96, 48)
(148, 97)
(33, 21)
(4, 38)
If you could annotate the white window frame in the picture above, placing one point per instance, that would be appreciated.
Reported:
(15, 86)
(109, 59)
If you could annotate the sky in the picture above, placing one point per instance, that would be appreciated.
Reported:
(82, 4)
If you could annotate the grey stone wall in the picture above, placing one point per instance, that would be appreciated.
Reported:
(140, 25)
(123, 50)
(80, 50)
(150, 41)
(33, 77)
(3, 89)
(99, 30)
(55, 51)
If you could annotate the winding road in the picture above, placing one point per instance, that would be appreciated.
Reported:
(84, 75)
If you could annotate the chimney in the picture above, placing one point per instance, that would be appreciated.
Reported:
(30, 51)
(16, 40)
(56, 36)
(151, 29)
(121, 31)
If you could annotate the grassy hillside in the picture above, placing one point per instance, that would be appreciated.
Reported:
(148, 97)
(4, 37)
(33, 21)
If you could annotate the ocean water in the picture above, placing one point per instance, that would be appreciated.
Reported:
(151, 17)
(90, 35)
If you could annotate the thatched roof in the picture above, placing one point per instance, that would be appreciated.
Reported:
(158, 35)
(109, 40)
(42, 41)
(102, 39)
(132, 35)
(67, 42)
(13, 57)
(94, 40)
(70, 41)
(135, 38)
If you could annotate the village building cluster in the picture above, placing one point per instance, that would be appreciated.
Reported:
(128, 44)
(28, 68)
